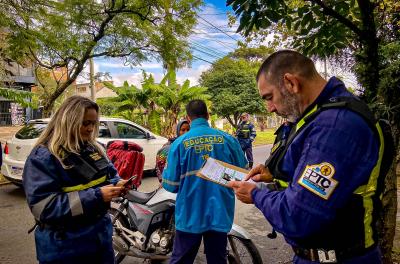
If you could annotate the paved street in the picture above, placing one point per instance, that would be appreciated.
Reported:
(16, 246)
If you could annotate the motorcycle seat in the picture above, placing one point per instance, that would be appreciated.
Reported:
(139, 197)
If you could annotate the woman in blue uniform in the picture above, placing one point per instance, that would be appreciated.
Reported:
(69, 183)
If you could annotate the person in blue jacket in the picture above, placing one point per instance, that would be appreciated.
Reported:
(161, 158)
(246, 133)
(203, 208)
(69, 183)
(326, 199)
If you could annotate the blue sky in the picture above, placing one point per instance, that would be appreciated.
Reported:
(212, 39)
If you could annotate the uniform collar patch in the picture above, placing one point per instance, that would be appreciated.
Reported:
(318, 179)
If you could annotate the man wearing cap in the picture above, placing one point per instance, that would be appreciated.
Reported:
(246, 134)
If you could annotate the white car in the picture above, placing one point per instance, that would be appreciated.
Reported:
(20, 146)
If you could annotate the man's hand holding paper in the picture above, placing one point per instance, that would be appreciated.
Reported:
(259, 174)
(221, 172)
(243, 189)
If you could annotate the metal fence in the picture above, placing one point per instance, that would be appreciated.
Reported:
(5, 119)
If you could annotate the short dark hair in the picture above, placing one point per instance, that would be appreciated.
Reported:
(286, 61)
(196, 109)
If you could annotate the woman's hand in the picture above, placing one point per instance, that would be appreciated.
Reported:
(110, 191)
(121, 183)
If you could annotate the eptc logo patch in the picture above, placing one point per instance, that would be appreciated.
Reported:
(318, 179)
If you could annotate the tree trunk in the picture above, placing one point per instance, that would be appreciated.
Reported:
(388, 217)
(47, 110)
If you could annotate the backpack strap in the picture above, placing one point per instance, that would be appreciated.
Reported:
(352, 103)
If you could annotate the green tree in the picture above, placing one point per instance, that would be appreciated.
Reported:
(24, 98)
(66, 34)
(131, 102)
(176, 23)
(232, 87)
(173, 97)
(364, 32)
(153, 102)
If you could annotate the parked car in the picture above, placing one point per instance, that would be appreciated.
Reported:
(19, 147)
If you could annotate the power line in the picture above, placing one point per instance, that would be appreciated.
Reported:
(219, 29)
(216, 27)
(216, 52)
(216, 40)
(202, 59)
(205, 52)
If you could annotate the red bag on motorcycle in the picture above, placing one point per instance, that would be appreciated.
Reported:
(127, 159)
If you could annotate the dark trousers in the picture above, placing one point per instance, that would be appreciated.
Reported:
(249, 154)
(186, 246)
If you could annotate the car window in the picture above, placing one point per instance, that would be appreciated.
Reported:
(31, 131)
(104, 131)
(128, 131)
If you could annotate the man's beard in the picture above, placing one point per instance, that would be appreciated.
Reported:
(290, 106)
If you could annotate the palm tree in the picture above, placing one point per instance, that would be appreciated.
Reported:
(173, 97)
(155, 101)
(133, 102)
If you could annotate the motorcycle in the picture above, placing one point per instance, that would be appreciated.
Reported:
(144, 227)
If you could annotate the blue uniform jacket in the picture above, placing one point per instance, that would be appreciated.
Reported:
(338, 139)
(43, 179)
(246, 142)
(201, 205)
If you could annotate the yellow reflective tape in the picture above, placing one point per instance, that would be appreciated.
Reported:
(282, 184)
(302, 121)
(274, 147)
(360, 190)
(81, 187)
(368, 190)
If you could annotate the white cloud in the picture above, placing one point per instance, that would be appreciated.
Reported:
(192, 74)
(113, 65)
(134, 78)
(150, 66)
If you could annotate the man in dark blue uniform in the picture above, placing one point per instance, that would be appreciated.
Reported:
(326, 194)
(246, 134)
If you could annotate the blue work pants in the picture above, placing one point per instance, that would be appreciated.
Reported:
(186, 246)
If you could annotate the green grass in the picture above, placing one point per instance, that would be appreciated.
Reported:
(265, 137)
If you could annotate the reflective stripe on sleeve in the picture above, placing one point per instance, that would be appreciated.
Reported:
(75, 203)
(172, 183)
(189, 173)
(38, 208)
(80, 187)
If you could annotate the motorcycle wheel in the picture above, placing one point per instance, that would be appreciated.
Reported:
(124, 222)
(242, 251)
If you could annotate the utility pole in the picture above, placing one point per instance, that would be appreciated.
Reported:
(325, 70)
(91, 76)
